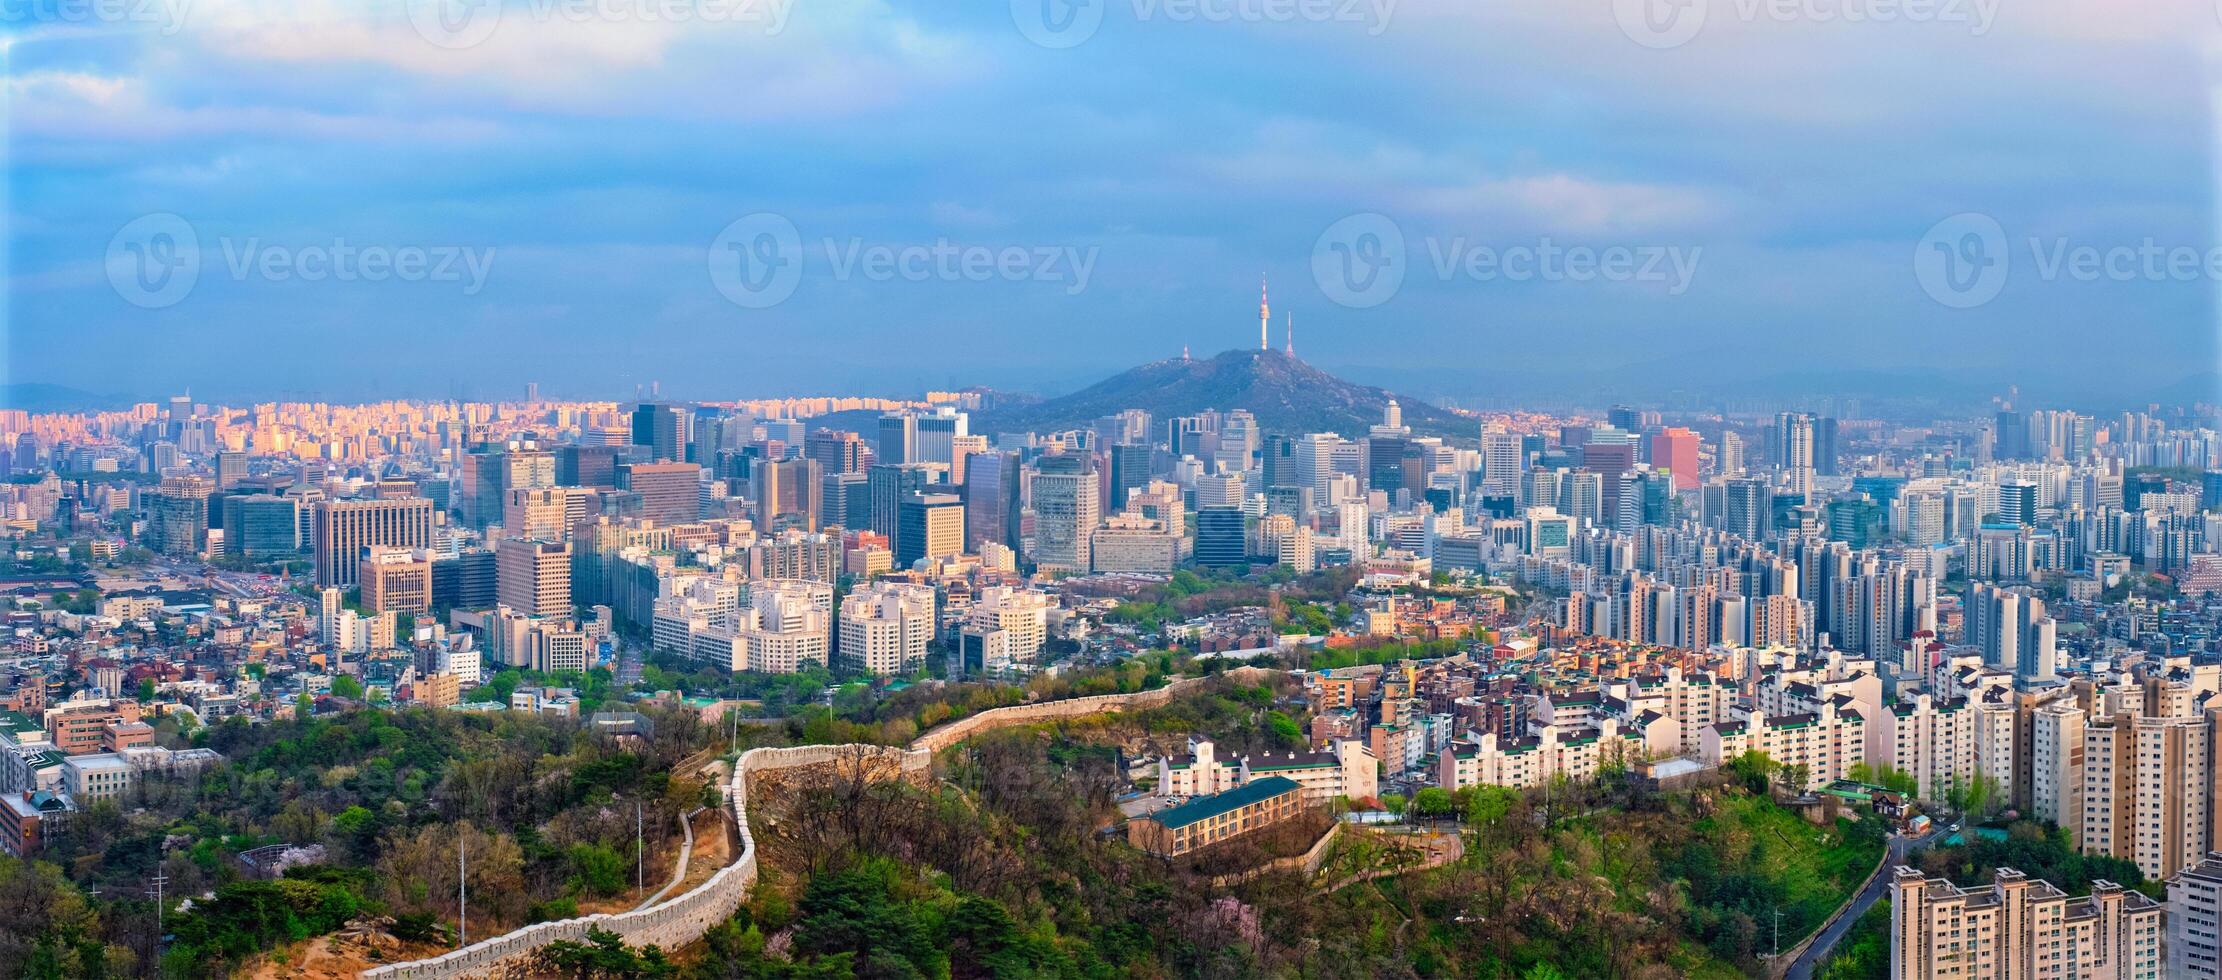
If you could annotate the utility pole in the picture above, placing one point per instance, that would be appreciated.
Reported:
(1778, 935)
(462, 896)
(640, 854)
(160, 880)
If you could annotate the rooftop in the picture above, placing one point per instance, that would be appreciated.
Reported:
(1204, 807)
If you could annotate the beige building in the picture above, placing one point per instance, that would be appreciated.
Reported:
(1576, 753)
(1931, 740)
(396, 579)
(2056, 764)
(533, 577)
(2147, 786)
(2020, 929)
(1828, 743)
(1204, 821)
(885, 627)
(788, 626)
(1347, 769)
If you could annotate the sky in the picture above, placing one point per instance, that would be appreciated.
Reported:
(1472, 199)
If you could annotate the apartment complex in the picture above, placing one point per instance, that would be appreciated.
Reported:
(1348, 770)
(2019, 928)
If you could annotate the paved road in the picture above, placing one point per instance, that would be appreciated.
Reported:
(1899, 848)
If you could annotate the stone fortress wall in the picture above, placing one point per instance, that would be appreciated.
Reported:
(688, 916)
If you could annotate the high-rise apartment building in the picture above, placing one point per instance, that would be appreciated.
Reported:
(2019, 928)
(885, 627)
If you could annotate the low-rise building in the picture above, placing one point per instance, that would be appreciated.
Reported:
(1208, 820)
(1348, 769)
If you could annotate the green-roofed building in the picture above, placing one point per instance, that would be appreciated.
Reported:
(1207, 820)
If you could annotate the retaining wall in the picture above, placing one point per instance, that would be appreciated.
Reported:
(684, 919)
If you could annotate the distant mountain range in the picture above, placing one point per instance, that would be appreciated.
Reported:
(1286, 395)
(37, 397)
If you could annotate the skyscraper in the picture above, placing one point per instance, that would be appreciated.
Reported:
(928, 525)
(345, 527)
(1794, 450)
(1221, 539)
(991, 500)
(1065, 511)
(1130, 470)
(936, 436)
(490, 472)
(586, 466)
(670, 492)
(1675, 451)
(663, 429)
(533, 577)
(898, 439)
(177, 512)
(889, 484)
(836, 451)
(789, 494)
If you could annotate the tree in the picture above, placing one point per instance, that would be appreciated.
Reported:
(1754, 769)
(1433, 801)
(146, 689)
(346, 686)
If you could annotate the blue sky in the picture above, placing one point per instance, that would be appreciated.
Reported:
(589, 154)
